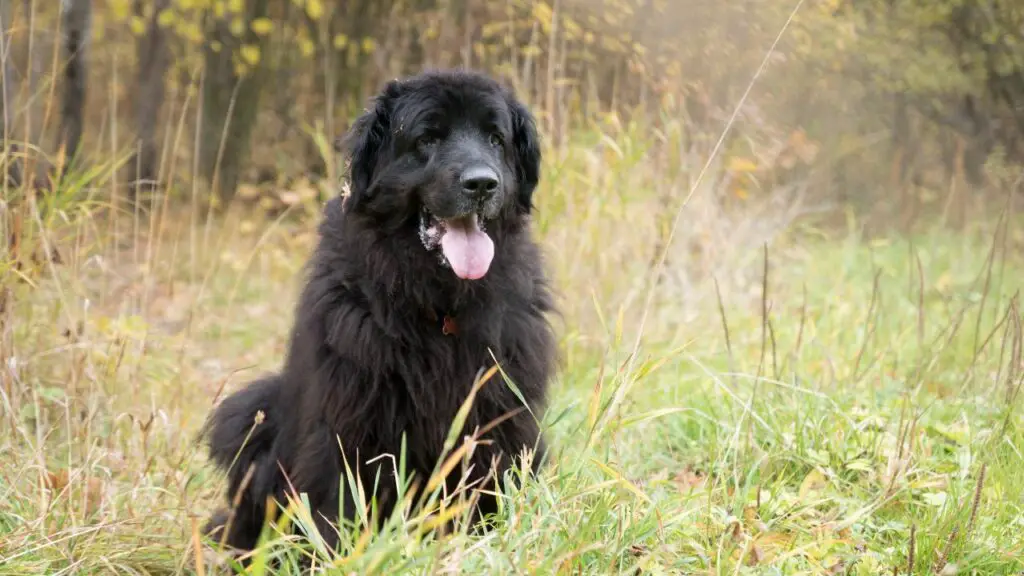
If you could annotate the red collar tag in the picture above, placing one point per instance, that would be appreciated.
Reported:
(448, 326)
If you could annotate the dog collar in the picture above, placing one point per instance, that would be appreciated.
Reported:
(449, 325)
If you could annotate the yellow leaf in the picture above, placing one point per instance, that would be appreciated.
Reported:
(165, 18)
(307, 47)
(236, 6)
(315, 9)
(190, 30)
(120, 9)
(138, 26)
(237, 27)
(340, 42)
(543, 14)
(531, 50)
(262, 26)
(250, 54)
(750, 517)
(812, 482)
(772, 543)
(369, 45)
(492, 30)
(742, 165)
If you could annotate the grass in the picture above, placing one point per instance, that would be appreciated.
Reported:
(801, 401)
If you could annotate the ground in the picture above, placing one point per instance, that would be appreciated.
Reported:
(853, 411)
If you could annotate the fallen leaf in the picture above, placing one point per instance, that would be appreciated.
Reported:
(688, 479)
(734, 528)
(812, 482)
(93, 494)
(60, 482)
(56, 481)
(751, 519)
(755, 556)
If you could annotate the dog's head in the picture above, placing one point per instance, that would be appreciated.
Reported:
(449, 155)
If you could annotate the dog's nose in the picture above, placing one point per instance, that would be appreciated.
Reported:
(479, 182)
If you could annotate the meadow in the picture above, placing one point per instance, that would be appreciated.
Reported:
(781, 394)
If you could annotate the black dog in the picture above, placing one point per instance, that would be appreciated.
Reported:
(424, 275)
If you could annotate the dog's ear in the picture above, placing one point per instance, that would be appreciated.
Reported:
(526, 144)
(365, 142)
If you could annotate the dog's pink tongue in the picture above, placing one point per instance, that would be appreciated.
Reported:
(468, 249)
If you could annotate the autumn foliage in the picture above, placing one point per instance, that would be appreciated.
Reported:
(892, 107)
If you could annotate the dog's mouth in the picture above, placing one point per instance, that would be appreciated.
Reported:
(465, 247)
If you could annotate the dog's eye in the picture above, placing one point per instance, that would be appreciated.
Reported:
(427, 141)
(495, 140)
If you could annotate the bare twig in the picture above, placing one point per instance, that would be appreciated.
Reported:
(869, 324)
(725, 328)
(910, 552)
(989, 262)
(920, 300)
(764, 316)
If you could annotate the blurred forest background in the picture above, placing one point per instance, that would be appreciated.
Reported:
(843, 402)
(896, 109)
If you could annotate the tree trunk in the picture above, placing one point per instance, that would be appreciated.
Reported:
(153, 59)
(229, 103)
(8, 79)
(8, 100)
(76, 15)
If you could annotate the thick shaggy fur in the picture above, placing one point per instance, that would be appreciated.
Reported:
(369, 359)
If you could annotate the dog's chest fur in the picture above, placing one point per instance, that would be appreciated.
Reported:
(388, 366)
